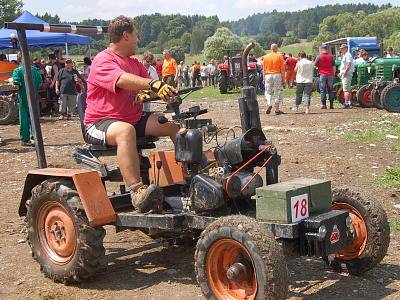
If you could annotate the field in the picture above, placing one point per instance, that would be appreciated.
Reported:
(348, 147)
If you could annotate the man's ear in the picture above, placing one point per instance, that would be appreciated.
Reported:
(125, 35)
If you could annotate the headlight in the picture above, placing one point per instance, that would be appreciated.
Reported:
(321, 232)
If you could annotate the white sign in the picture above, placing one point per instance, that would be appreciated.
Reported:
(299, 207)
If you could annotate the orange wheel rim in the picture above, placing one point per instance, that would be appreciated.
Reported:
(56, 232)
(357, 247)
(230, 270)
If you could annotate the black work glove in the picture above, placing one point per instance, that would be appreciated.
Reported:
(163, 90)
(144, 96)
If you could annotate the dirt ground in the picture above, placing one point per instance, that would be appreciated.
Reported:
(140, 268)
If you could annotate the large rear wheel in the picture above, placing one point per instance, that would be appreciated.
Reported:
(223, 82)
(390, 97)
(66, 247)
(371, 232)
(8, 110)
(238, 259)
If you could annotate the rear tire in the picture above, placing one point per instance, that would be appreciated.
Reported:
(239, 243)
(66, 247)
(222, 82)
(8, 110)
(372, 233)
(364, 96)
(390, 97)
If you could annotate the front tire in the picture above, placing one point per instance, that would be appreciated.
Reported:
(236, 258)
(66, 247)
(364, 96)
(371, 232)
(223, 82)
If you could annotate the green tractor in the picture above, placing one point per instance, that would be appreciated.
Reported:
(384, 85)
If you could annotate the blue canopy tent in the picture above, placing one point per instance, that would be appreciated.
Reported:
(41, 39)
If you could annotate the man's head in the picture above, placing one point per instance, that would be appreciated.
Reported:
(68, 64)
(52, 57)
(302, 54)
(58, 54)
(323, 48)
(390, 50)
(3, 57)
(343, 48)
(166, 54)
(290, 55)
(148, 59)
(274, 48)
(123, 33)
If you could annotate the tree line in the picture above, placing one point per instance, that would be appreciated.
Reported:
(190, 34)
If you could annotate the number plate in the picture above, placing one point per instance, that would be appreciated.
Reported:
(299, 207)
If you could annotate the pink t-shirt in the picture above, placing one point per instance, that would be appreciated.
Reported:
(106, 101)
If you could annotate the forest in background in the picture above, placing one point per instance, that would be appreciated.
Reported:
(191, 34)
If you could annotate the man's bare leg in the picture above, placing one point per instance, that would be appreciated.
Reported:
(123, 135)
(154, 128)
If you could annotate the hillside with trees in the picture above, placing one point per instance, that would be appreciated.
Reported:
(190, 34)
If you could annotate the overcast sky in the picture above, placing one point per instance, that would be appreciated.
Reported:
(76, 10)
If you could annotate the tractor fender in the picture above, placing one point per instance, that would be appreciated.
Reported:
(93, 195)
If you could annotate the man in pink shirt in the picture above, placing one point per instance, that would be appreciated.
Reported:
(116, 85)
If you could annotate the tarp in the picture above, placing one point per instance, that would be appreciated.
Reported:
(41, 39)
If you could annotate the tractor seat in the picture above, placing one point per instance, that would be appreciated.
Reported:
(142, 143)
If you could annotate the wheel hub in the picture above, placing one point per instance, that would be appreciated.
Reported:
(56, 231)
(237, 272)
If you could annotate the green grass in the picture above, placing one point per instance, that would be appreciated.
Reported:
(190, 59)
(395, 147)
(374, 134)
(296, 48)
(394, 225)
(211, 93)
(390, 179)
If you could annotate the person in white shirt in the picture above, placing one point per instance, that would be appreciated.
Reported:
(148, 61)
(304, 79)
(346, 74)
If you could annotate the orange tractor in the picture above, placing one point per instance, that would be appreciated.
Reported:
(246, 225)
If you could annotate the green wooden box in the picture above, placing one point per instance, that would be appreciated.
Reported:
(293, 200)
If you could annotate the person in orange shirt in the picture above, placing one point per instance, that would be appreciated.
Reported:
(274, 72)
(169, 69)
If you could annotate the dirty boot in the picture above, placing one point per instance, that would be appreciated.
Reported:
(146, 198)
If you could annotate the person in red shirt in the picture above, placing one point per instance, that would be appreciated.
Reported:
(158, 65)
(326, 71)
(290, 74)
(114, 113)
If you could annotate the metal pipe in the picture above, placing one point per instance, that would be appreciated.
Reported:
(244, 64)
(60, 28)
(31, 95)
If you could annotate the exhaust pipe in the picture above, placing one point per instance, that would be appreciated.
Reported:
(248, 105)
(244, 63)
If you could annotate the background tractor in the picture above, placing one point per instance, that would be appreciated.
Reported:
(230, 74)
(246, 225)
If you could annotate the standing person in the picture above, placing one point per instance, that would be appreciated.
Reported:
(212, 71)
(24, 117)
(304, 78)
(60, 60)
(290, 74)
(179, 75)
(87, 64)
(158, 65)
(196, 79)
(185, 74)
(169, 69)
(274, 72)
(114, 113)
(148, 61)
(66, 88)
(346, 74)
(204, 75)
(326, 71)
(390, 53)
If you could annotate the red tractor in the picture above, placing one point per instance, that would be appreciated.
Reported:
(230, 73)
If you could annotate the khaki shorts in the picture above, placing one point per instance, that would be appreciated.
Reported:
(346, 83)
